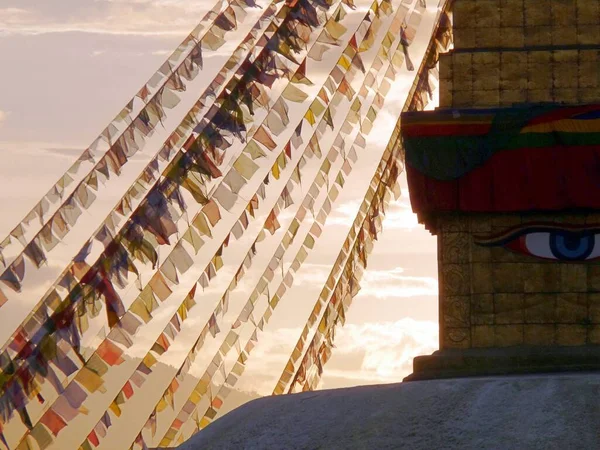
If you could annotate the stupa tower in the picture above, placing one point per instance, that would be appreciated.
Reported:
(506, 174)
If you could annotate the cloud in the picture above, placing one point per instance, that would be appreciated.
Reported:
(394, 284)
(369, 353)
(379, 352)
(399, 214)
(3, 115)
(312, 275)
(131, 17)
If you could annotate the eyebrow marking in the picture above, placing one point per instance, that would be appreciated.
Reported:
(512, 233)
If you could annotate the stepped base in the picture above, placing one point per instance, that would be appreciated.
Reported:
(453, 363)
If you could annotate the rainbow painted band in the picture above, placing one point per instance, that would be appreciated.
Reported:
(448, 144)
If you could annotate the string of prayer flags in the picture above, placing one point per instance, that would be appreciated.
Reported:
(99, 236)
(315, 230)
(346, 288)
(120, 149)
(212, 326)
(162, 236)
(289, 369)
(231, 379)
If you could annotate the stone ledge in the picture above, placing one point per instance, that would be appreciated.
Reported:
(453, 363)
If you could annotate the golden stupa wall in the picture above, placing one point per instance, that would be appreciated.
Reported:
(492, 297)
(522, 51)
(507, 52)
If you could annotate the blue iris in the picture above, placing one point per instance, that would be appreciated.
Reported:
(571, 246)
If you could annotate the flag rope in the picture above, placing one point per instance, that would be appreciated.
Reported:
(319, 349)
(247, 310)
(119, 148)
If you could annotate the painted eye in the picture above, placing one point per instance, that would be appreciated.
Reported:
(559, 244)
(567, 243)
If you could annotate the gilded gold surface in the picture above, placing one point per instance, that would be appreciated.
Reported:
(496, 297)
(509, 52)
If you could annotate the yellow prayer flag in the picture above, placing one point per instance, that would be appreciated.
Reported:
(195, 397)
(218, 262)
(183, 312)
(201, 224)
(192, 236)
(310, 117)
(140, 310)
(375, 7)
(344, 62)
(90, 380)
(149, 360)
(281, 161)
(202, 386)
(309, 241)
(162, 405)
(275, 170)
(335, 29)
(254, 150)
(115, 409)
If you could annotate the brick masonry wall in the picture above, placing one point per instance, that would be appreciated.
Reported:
(503, 78)
(525, 23)
(492, 297)
(522, 51)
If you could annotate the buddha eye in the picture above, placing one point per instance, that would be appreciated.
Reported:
(551, 243)
(559, 244)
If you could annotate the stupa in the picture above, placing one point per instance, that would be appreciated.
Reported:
(506, 173)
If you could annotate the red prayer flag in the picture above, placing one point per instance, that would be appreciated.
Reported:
(53, 421)
(128, 390)
(93, 438)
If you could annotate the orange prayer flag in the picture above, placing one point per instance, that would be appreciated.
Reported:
(177, 424)
(163, 341)
(110, 353)
(211, 210)
(217, 403)
(159, 286)
(265, 139)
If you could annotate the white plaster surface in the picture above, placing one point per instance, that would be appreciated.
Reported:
(554, 411)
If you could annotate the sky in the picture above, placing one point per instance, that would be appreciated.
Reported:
(69, 66)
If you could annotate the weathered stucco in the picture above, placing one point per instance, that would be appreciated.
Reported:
(527, 412)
